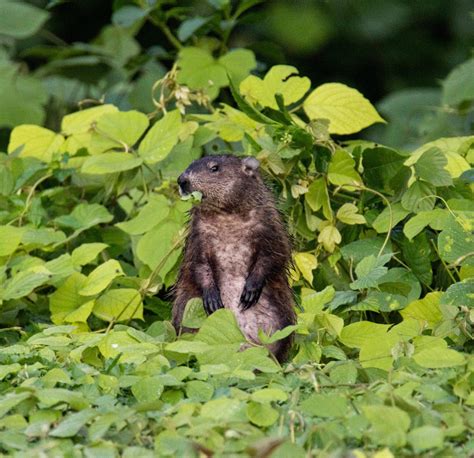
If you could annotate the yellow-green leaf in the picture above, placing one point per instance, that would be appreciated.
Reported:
(101, 277)
(348, 214)
(306, 263)
(347, 110)
(119, 305)
(36, 141)
(329, 237)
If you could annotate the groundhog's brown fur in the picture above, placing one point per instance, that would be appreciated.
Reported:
(237, 250)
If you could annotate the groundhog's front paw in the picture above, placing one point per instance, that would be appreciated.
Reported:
(212, 300)
(251, 293)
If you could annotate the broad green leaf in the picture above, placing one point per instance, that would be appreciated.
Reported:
(24, 283)
(459, 84)
(261, 414)
(221, 329)
(417, 254)
(155, 248)
(419, 197)
(348, 214)
(35, 141)
(194, 314)
(10, 238)
(34, 238)
(306, 263)
(22, 97)
(153, 213)
(347, 110)
(460, 294)
(325, 405)
(85, 216)
(369, 271)
(431, 167)
(86, 253)
(119, 305)
(66, 301)
(20, 19)
(269, 395)
(71, 425)
(456, 241)
(426, 437)
(147, 389)
(426, 309)
(389, 425)
(81, 122)
(122, 127)
(280, 79)
(199, 391)
(382, 302)
(11, 400)
(200, 70)
(101, 277)
(110, 163)
(433, 353)
(317, 197)
(314, 301)
(8, 369)
(161, 138)
(223, 410)
(359, 249)
(341, 169)
(329, 237)
(389, 218)
(436, 218)
(51, 396)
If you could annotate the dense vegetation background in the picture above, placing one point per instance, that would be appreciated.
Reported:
(103, 104)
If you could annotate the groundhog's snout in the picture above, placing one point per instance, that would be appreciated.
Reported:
(184, 184)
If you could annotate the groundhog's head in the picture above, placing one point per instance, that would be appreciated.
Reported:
(222, 180)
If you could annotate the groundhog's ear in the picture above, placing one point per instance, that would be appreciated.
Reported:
(250, 164)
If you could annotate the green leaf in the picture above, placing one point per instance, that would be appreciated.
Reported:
(223, 410)
(341, 169)
(436, 218)
(261, 414)
(85, 216)
(161, 138)
(306, 263)
(194, 314)
(426, 310)
(317, 197)
(35, 142)
(147, 389)
(20, 20)
(71, 425)
(359, 249)
(22, 97)
(200, 70)
(459, 84)
(10, 238)
(11, 400)
(151, 214)
(221, 329)
(101, 277)
(419, 197)
(389, 425)
(325, 405)
(348, 214)
(460, 294)
(389, 218)
(24, 283)
(155, 247)
(119, 305)
(433, 353)
(66, 305)
(329, 237)
(456, 241)
(118, 129)
(426, 437)
(431, 167)
(82, 121)
(86, 253)
(51, 396)
(269, 395)
(347, 110)
(110, 163)
(369, 271)
(417, 254)
(199, 391)
(280, 79)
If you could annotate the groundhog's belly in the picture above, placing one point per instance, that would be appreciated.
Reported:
(234, 261)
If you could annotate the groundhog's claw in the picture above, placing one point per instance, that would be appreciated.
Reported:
(250, 294)
(212, 300)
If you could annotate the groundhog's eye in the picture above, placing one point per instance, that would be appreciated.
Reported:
(214, 168)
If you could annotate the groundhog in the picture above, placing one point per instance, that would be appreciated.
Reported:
(237, 250)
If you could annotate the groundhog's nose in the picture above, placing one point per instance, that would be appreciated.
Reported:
(184, 185)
